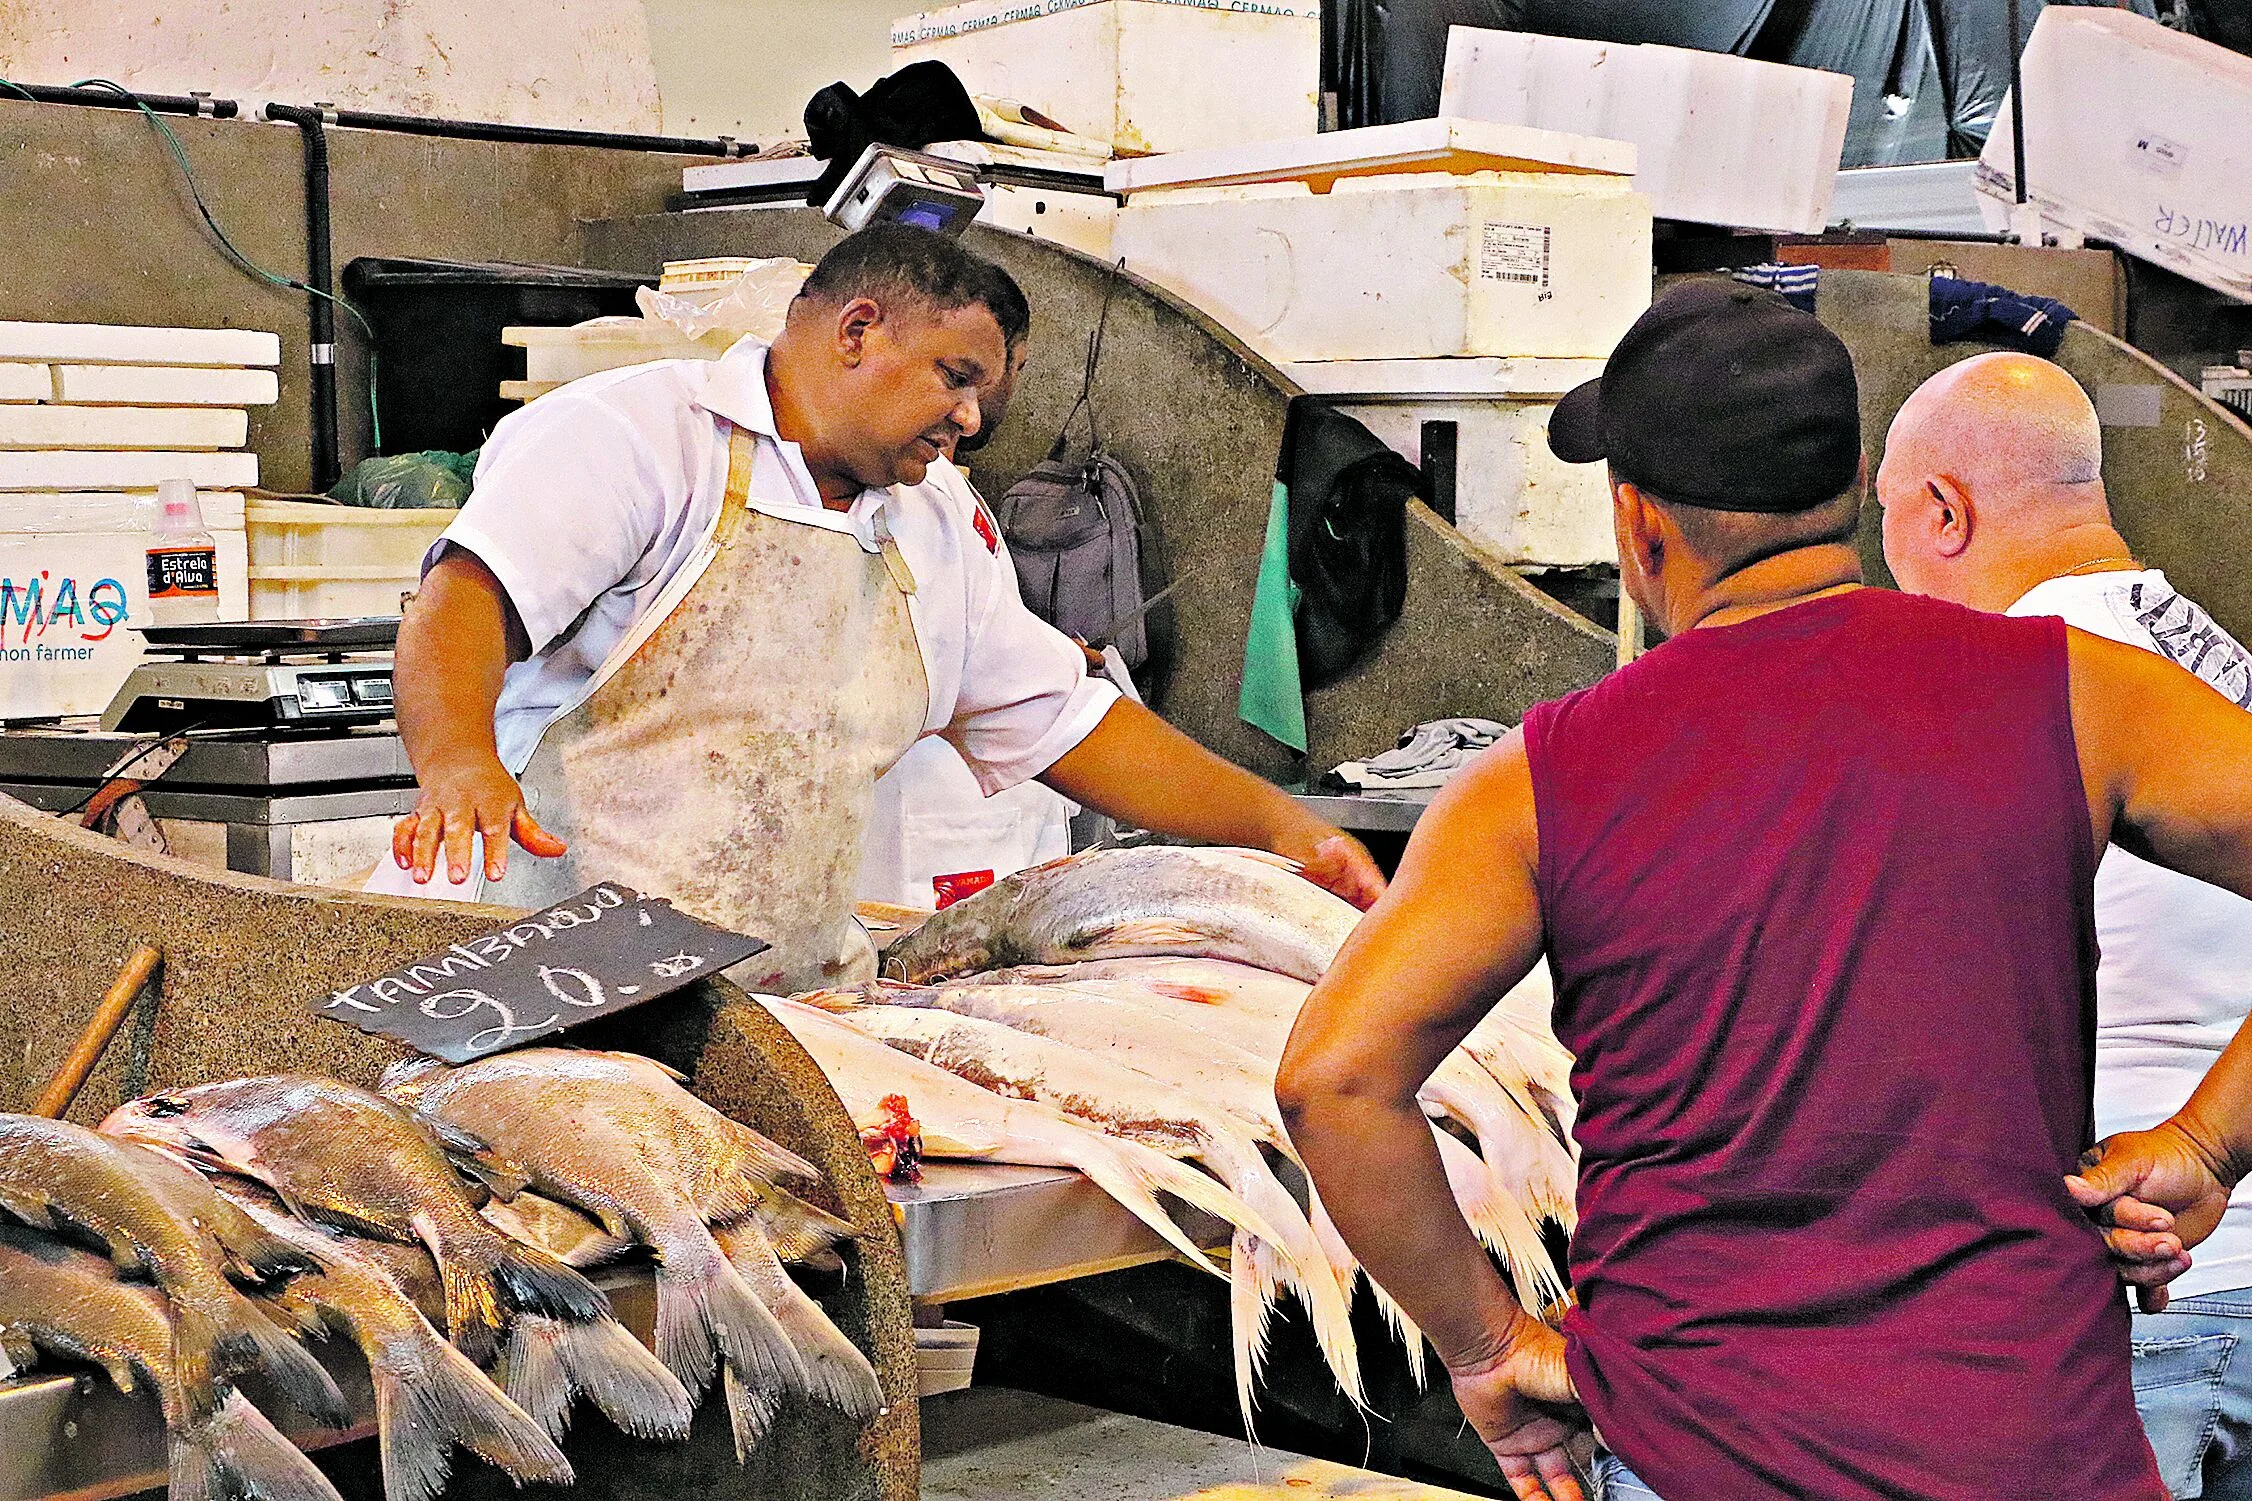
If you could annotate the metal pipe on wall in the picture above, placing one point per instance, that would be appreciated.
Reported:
(319, 275)
(536, 135)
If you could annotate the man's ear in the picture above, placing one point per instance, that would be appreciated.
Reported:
(1635, 520)
(854, 321)
(1949, 514)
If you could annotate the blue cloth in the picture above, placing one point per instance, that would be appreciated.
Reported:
(1797, 285)
(1614, 1481)
(1996, 315)
(2193, 1388)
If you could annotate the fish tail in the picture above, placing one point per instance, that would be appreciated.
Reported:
(1292, 1256)
(237, 1453)
(837, 1374)
(1134, 1176)
(433, 1398)
(211, 1343)
(529, 1280)
(1501, 1224)
(797, 1231)
(550, 1362)
(1248, 1305)
(703, 1305)
(1348, 1269)
(750, 1412)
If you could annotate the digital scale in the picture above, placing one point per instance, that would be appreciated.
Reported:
(258, 674)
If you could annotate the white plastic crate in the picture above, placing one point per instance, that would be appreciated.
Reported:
(1512, 496)
(2133, 134)
(1721, 139)
(1145, 75)
(1407, 267)
(309, 560)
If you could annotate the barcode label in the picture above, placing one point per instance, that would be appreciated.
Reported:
(1514, 252)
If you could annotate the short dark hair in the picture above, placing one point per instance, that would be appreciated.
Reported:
(1734, 540)
(890, 260)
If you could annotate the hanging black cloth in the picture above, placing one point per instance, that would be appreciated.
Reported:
(1348, 536)
(921, 103)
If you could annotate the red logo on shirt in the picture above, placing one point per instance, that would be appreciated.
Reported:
(985, 529)
(953, 888)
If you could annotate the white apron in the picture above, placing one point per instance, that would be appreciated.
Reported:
(725, 755)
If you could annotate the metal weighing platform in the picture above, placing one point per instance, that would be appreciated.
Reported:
(264, 789)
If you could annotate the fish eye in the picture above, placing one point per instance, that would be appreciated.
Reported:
(165, 1106)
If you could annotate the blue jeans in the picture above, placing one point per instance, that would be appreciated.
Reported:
(2195, 1396)
(1614, 1481)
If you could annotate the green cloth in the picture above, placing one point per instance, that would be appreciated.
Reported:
(1271, 699)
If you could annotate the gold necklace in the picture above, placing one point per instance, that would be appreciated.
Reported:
(2095, 564)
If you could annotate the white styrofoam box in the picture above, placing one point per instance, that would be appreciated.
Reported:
(1723, 139)
(1512, 496)
(1505, 263)
(1934, 197)
(73, 583)
(20, 382)
(119, 344)
(309, 560)
(1145, 75)
(1082, 221)
(165, 386)
(555, 355)
(78, 469)
(1423, 380)
(1451, 145)
(54, 426)
(2133, 134)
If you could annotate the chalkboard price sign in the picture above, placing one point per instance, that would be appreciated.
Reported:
(598, 953)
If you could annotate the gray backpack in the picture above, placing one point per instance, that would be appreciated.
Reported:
(1087, 561)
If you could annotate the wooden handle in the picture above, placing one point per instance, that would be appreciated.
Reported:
(94, 1041)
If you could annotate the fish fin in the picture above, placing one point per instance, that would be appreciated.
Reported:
(208, 1347)
(835, 1002)
(298, 1376)
(666, 1069)
(534, 1282)
(238, 1453)
(703, 1303)
(1501, 1223)
(1138, 936)
(499, 1177)
(434, 1399)
(264, 1254)
(550, 1361)
(769, 1160)
(596, 1247)
(750, 1412)
(797, 1231)
(837, 1374)
(1410, 1337)
(1133, 1175)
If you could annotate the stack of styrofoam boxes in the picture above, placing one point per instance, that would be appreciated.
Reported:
(1145, 75)
(2134, 133)
(557, 356)
(1431, 289)
(1718, 139)
(92, 418)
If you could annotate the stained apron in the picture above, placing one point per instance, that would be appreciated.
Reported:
(726, 758)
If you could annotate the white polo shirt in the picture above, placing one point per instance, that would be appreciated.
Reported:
(2175, 978)
(588, 500)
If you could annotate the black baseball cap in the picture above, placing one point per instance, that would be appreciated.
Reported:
(1722, 396)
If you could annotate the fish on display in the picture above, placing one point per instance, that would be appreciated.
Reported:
(1114, 903)
(345, 1157)
(61, 1300)
(161, 1218)
(960, 1120)
(1138, 1106)
(617, 1136)
(428, 1397)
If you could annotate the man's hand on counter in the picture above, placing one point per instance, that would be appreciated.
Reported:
(457, 803)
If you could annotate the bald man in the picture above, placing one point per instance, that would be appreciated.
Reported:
(1993, 497)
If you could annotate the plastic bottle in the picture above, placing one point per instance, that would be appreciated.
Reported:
(183, 559)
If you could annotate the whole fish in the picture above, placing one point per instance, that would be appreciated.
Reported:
(58, 1299)
(1136, 1106)
(617, 1136)
(802, 1234)
(428, 1397)
(161, 1218)
(342, 1156)
(961, 1120)
(1156, 899)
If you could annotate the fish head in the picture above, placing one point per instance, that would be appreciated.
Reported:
(190, 1126)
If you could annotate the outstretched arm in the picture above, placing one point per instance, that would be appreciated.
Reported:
(1137, 768)
(455, 644)
(2168, 767)
(1459, 927)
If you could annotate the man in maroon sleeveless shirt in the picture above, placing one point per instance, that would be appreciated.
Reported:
(1813, 880)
